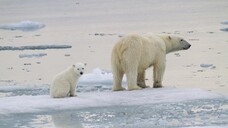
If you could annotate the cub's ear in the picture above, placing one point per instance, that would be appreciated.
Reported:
(169, 37)
(85, 64)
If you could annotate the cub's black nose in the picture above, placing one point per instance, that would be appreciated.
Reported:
(81, 73)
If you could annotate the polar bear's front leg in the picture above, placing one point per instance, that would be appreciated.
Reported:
(72, 90)
(159, 70)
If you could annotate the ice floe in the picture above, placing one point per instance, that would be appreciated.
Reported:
(224, 22)
(23, 26)
(224, 29)
(34, 47)
(37, 55)
(42, 103)
(206, 65)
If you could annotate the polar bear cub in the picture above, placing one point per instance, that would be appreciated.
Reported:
(65, 82)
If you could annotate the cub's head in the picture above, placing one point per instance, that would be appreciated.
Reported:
(174, 43)
(79, 68)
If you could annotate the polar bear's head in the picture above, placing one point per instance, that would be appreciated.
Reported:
(174, 43)
(79, 68)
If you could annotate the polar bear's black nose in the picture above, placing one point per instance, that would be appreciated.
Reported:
(187, 47)
(81, 73)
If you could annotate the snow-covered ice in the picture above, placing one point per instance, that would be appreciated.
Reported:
(98, 76)
(23, 26)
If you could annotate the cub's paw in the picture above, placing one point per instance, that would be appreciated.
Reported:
(73, 95)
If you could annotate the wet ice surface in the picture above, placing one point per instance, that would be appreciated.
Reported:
(167, 107)
(207, 112)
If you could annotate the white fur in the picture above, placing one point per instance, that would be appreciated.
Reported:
(64, 83)
(133, 54)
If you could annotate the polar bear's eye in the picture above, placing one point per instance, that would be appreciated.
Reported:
(181, 40)
(82, 68)
(78, 68)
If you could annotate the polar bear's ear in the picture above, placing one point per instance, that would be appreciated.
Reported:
(85, 64)
(73, 65)
(169, 37)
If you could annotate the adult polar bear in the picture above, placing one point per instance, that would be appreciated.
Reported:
(133, 54)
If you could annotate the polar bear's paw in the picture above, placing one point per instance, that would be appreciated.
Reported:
(134, 88)
(118, 88)
(142, 85)
(157, 85)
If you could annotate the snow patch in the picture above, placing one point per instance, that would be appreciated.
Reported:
(98, 76)
(23, 26)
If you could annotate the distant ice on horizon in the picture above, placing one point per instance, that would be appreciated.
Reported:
(23, 26)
